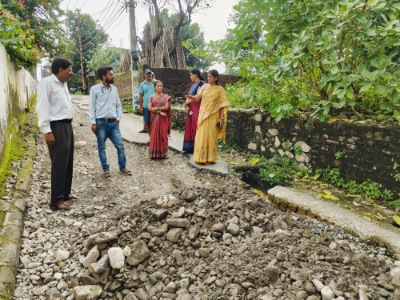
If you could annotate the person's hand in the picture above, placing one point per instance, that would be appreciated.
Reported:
(141, 109)
(49, 138)
(187, 109)
(94, 128)
(221, 123)
(163, 114)
(116, 122)
(189, 97)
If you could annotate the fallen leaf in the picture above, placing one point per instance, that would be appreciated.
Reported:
(379, 217)
(100, 207)
(396, 219)
(254, 161)
(316, 176)
(356, 203)
(367, 218)
(353, 196)
(368, 199)
(258, 192)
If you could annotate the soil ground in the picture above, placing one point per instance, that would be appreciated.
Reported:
(233, 244)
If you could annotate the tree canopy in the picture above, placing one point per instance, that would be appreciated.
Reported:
(93, 37)
(327, 57)
(166, 36)
(30, 30)
(191, 36)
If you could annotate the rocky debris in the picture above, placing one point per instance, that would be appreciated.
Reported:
(87, 292)
(236, 244)
(184, 235)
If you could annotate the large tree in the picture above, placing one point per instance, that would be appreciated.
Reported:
(31, 30)
(324, 56)
(164, 39)
(191, 37)
(87, 38)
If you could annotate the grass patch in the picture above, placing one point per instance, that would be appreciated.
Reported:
(395, 203)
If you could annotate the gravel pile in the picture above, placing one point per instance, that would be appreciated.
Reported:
(171, 232)
(209, 243)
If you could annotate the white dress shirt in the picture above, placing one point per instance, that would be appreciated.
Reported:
(53, 103)
(104, 103)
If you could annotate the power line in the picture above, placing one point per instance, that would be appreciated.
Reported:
(114, 17)
(75, 5)
(68, 4)
(111, 16)
(108, 7)
(87, 40)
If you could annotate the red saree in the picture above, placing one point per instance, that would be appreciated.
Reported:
(160, 127)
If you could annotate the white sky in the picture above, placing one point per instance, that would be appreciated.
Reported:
(212, 21)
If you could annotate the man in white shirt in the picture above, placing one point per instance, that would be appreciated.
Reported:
(105, 112)
(55, 113)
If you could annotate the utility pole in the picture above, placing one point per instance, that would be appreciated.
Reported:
(134, 55)
(78, 25)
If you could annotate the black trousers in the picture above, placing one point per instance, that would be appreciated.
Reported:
(62, 157)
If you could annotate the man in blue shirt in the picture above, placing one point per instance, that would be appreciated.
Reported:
(105, 112)
(146, 89)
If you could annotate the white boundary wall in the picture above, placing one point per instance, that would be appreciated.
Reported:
(12, 82)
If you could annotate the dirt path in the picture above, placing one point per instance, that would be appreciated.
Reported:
(217, 241)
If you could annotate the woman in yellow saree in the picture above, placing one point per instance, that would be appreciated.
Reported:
(211, 125)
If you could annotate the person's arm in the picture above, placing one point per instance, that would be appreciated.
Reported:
(195, 98)
(149, 107)
(92, 109)
(43, 107)
(162, 109)
(221, 117)
(119, 107)
(141, 93)
(43, 112)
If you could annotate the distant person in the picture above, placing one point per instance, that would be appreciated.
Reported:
(160, 122)
(105, 112)
(192, 112)
(55, 113)
(146, 89)
(212, 119)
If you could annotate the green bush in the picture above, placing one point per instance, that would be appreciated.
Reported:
(367, 188)
(277, 171)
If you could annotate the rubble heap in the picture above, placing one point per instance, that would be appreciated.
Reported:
(209, 243)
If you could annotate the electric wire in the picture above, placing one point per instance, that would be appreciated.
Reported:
(89, 39)
(107, 9)
(112, 15)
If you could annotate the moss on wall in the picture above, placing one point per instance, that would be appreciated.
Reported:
(15, 143)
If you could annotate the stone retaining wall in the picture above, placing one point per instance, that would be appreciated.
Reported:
(360, 151)
(176, 82)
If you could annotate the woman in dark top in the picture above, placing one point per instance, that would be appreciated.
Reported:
(192, 112)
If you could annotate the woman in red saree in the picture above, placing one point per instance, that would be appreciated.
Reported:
(192, 112)
(160, 122)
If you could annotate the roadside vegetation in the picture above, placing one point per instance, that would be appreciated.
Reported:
(319, 58)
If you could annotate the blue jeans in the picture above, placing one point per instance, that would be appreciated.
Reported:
(110, 130)
(146, 116)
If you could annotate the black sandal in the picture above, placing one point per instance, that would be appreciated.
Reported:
(60, 206)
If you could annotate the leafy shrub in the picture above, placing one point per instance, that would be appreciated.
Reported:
(367, 188)
(277, 171)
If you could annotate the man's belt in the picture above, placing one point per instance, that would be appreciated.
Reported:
(62, 121)
(107, 119)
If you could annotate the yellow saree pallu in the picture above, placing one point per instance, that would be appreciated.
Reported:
(207, 135)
